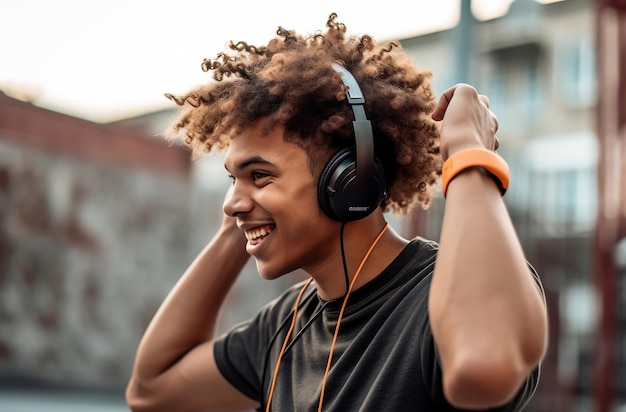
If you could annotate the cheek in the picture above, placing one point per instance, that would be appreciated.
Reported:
(302, 195)
(297, 210)
(309, 201)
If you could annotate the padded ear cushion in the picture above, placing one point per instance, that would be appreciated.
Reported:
(340, 198)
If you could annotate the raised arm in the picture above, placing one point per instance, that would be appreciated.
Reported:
(487, 314)
(174, 368)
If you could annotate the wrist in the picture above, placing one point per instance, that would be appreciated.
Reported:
(452, 143)
(462, 160)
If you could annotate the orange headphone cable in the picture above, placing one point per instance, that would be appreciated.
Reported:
(282, 349)
(332, 347)
(343, 307)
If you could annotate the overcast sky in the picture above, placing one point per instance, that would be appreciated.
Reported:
(105, 60)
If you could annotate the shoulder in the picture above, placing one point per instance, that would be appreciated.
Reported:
(420, 254)
(424, 245)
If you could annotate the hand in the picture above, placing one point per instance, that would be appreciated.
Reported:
(466, 119)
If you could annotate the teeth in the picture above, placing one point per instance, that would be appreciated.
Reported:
(258, 232)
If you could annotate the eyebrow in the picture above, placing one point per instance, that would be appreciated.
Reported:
(251, 161)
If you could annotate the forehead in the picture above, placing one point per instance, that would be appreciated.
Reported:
(252, 145)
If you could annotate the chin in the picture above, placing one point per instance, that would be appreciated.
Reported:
(268, 272)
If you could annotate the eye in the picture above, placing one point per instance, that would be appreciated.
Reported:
(256, 175)
(260, 178)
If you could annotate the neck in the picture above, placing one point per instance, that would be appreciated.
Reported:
(358, 238)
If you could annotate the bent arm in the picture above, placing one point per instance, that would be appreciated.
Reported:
(486, 310)
(174, 367)
(487, 315)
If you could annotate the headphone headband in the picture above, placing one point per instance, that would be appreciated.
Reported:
(362, 127)
(355, 95)
(352, 184)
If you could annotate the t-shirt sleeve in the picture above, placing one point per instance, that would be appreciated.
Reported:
(434, 376)
(237, 356)
(240, 354)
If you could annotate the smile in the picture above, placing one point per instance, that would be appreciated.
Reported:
(254, 235)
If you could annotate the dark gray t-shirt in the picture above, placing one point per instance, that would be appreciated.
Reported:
(384, 358)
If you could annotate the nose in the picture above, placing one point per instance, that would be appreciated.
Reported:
(237, 201)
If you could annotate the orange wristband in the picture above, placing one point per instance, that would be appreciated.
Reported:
(464, 159)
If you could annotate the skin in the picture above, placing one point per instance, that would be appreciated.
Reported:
(487, 315)
(272, 185)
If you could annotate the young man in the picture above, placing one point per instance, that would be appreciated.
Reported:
(323, 134)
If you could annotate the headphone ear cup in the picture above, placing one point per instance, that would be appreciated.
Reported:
(327, 187)
(340, 198)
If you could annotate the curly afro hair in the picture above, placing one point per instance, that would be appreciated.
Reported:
(291, 82)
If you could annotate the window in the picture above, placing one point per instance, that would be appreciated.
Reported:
(514, 86)
(576, 72)
(560, 190)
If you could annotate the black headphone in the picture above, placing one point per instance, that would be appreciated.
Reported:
(352, 184)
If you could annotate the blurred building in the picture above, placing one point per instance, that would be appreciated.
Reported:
(537, 64)
(99, 221)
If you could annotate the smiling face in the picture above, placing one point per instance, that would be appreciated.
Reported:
(274, 199)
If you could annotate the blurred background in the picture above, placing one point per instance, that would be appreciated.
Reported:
(100, 216)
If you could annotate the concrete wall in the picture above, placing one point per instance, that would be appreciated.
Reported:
(97, 224)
